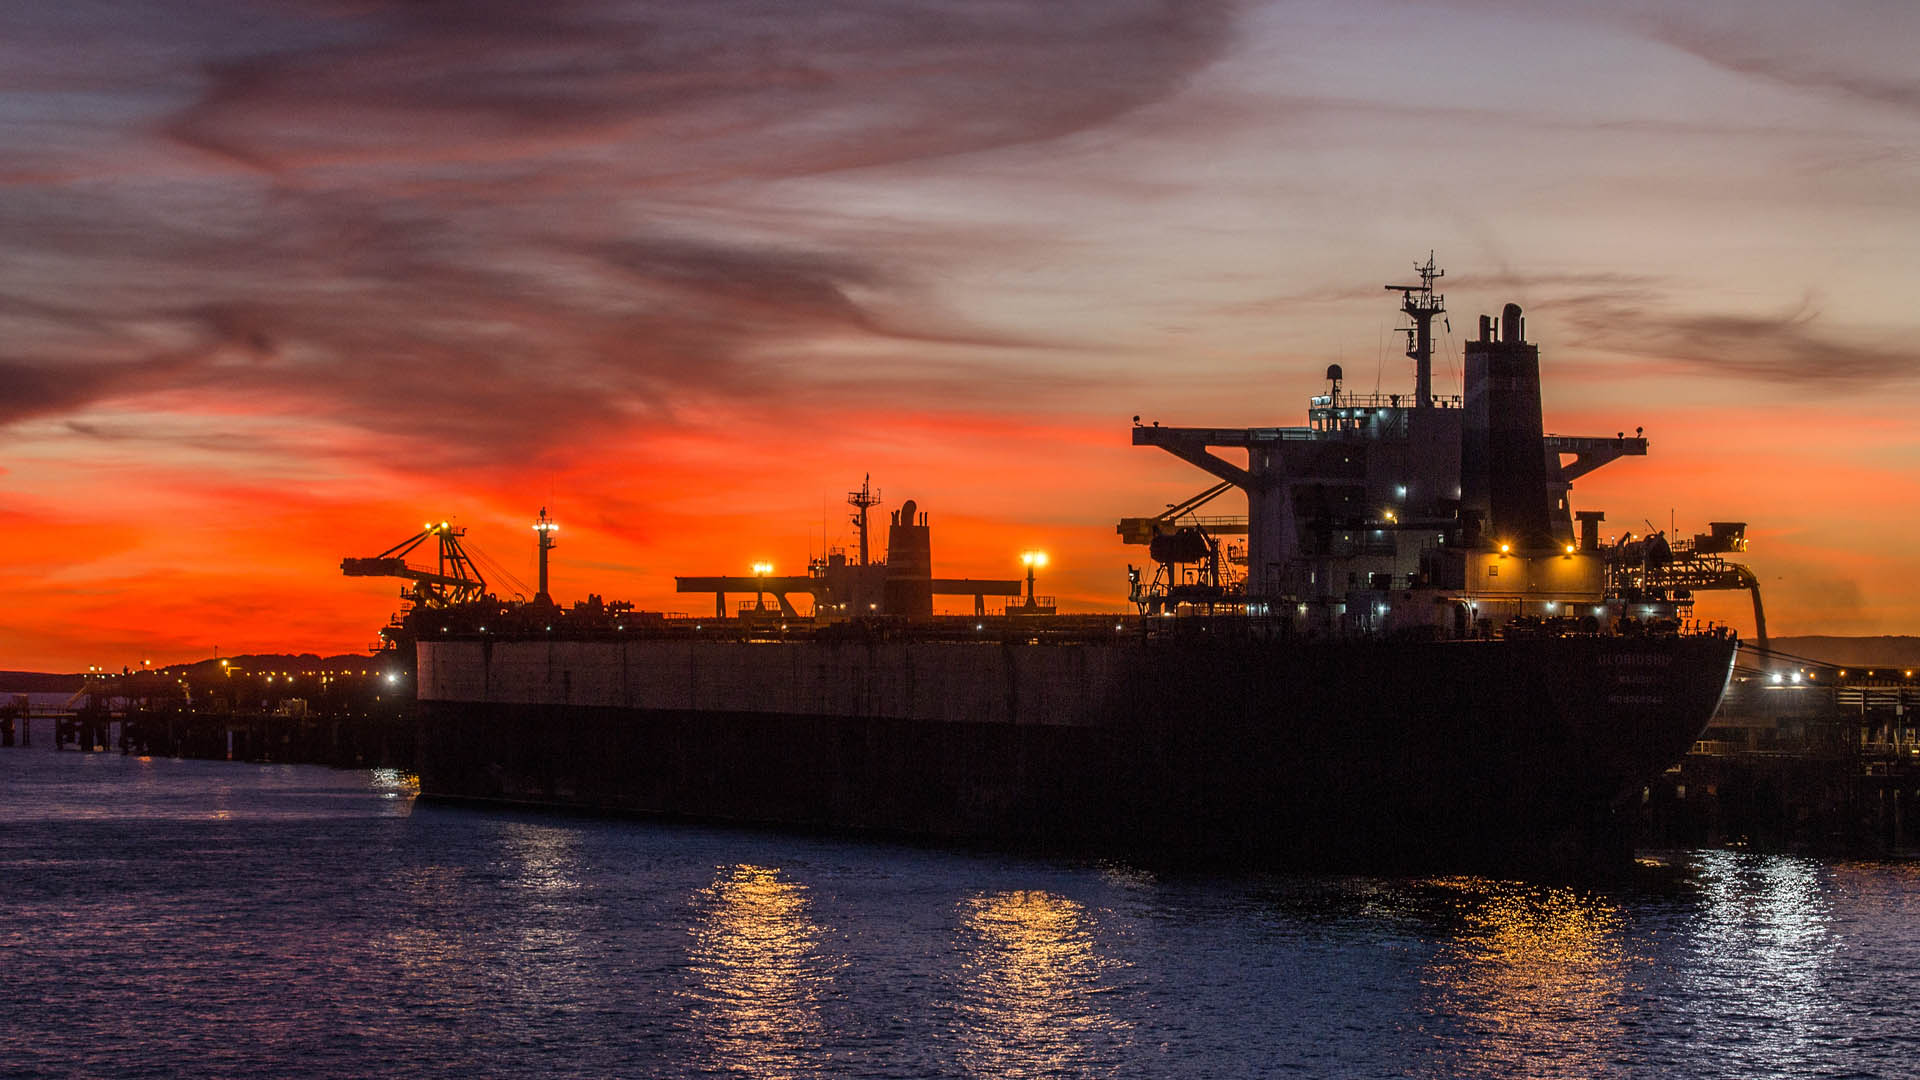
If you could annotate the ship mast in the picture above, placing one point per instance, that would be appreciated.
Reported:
(861, 500)
(1421, 304)
(545, 527)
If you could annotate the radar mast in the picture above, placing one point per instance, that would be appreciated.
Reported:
(1421, 304)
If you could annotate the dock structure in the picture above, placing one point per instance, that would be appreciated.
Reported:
(221, 712)
(1800, 757)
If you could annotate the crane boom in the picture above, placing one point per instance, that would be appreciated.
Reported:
(456, 580)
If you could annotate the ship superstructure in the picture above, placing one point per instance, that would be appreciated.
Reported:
(1413, 514)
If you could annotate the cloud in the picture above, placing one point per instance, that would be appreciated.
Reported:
(1808, 48)
(477, 227)
(1790, 348)
(693, 91)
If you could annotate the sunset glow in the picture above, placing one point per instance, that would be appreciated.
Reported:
(284, 280)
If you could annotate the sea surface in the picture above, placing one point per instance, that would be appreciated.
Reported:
(188, 918)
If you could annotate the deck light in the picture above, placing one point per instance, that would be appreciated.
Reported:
(1034, 560)
(1569, 549)
(1504, 548)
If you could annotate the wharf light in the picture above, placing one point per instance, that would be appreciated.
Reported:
(1390, 516)
(1569, 549)
(762, 569)
(1034, 558)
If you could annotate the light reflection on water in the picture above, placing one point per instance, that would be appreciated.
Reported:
(757, 973)
(327, 926)
(1032, 988)
(1762, 952)
(1539, 976)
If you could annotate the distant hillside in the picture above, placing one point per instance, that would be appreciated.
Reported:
(38, 682)
(1902, 651)
(43, 682)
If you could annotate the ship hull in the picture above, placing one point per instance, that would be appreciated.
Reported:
(1351, 755)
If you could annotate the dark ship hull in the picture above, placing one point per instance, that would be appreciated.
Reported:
(1199, 744)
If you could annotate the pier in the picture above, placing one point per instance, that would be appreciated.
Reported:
(1801, 757)
(223, 710)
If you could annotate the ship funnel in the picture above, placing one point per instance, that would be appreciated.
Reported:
(908, 589)
(1503, 454)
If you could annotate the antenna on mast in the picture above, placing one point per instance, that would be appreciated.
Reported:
(861, 500)
(1421, 304)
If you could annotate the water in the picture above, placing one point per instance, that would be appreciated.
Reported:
(164, 918)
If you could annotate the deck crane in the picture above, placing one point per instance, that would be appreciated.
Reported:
(454, 581)
(1140, 530)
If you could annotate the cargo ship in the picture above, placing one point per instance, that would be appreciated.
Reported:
(1414, 659)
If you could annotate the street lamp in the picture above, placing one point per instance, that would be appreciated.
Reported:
(1033, 559)
(761, 570)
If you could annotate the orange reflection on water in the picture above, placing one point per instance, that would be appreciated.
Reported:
(1538, 976)
(758, 973)
(1030, 997)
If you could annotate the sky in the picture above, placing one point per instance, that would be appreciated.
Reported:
(280, 280)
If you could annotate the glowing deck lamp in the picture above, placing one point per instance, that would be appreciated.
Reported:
(1569, 549)
(761, 569)
(1504, 548)
(1034, 560)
